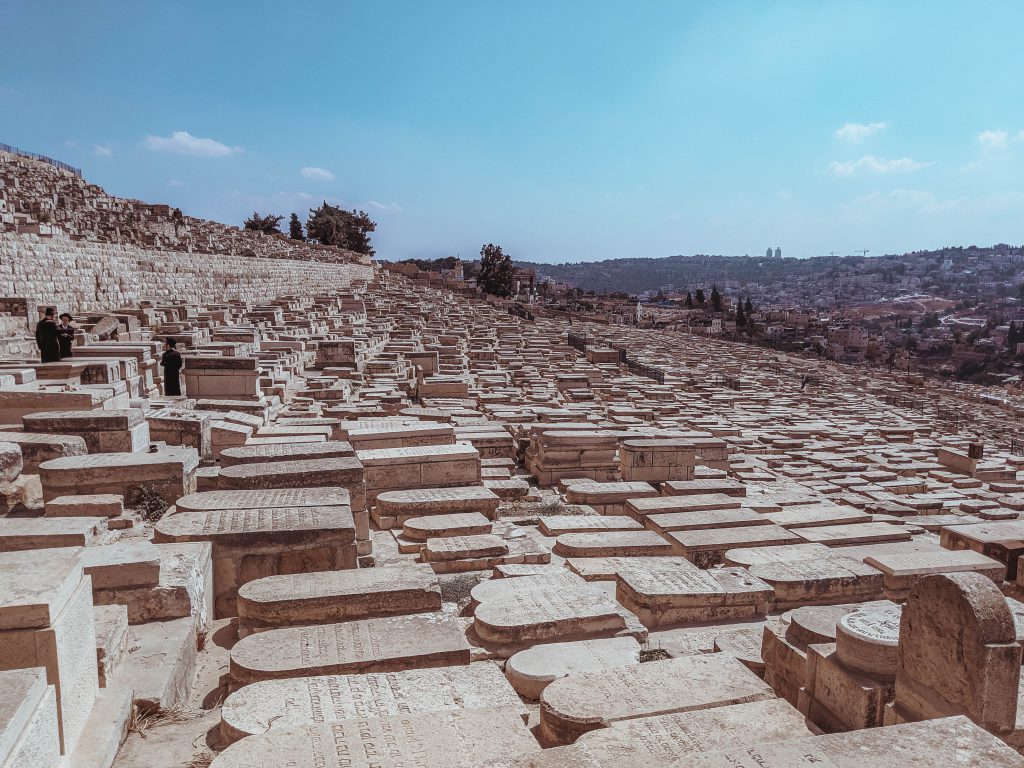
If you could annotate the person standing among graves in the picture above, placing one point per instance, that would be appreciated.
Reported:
(65, 335)
(46, 337)
(171, 362)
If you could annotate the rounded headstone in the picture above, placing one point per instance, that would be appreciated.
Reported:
(532, 670)
(867, 639)
(815, 624)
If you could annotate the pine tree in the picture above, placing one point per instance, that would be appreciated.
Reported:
(700, 296)
(689, 301)
(741, 319)
(295, 228)
(716, 299)
(749, 308)
(1012, 338)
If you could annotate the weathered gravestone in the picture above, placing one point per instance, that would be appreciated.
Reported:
(958, 654)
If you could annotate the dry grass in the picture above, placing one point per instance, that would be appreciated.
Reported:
(202, 760)
(140, 721)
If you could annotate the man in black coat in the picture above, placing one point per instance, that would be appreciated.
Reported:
(171, 362)
(46, 337)
(65, 335)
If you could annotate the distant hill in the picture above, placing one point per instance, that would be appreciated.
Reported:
(638, 275)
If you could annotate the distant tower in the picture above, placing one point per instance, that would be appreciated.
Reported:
(778, 253)
(768, 253)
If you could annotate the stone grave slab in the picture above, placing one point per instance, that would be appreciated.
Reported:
(279, 705)
(393, 508)
(537, 610)
(448, 739)
(258, 454)
(23, 533)
(386, 644)
(746, 557)
(123, 564)
(333, 596)
(556, 525)
(170, 472)
(699, 520)
(573, 705)
(252, 543)
(663, 597)
(612, 544)
(829, 581)
(901, 571)
(856, 533)
(706, 548)
(531, 670)
(419, 529)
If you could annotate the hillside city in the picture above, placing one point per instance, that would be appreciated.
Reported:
(955, 312)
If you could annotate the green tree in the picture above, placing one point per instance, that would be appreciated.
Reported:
(495, 271)
(741, 318)
(689, 301)
(749, 308)
(295, 228)
(716, 299)
(268, 224)
(700, 297)
(330, 225)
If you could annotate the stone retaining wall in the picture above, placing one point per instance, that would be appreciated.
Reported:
(83, 276)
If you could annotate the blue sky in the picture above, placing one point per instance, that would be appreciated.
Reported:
(565, 131)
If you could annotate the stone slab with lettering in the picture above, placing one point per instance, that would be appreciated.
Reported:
(465, 738)
(555, 525)
(746, 557)
(282, 704)
(538, 611)
(612, 544)
(607, 568)
(811, 515)
(419, 529)
(463, 547)
(667, 740)
(666, 596)
(701, 519)
(257, 454)
(333, 596)
(386, 644)
(828, 581)
(919, 745)
(855, 533)
(393, 508)
(210, 501)
(252, 543)
(531, 670)
(342, 471)
(573, 705)
(706, 548)
(653, 505)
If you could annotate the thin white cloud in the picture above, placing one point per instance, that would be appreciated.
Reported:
(102, 150)
(855, 133)
(184, 143)
(175, 183)
(872, 164)
(317, 173)
(993, 139)
(383, 206)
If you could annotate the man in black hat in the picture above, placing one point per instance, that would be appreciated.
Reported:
(171, 362)
(46, 337)
(65, 335)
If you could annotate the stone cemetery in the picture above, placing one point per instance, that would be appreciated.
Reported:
(388, 525)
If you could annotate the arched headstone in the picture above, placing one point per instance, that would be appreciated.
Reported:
(957, 653)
